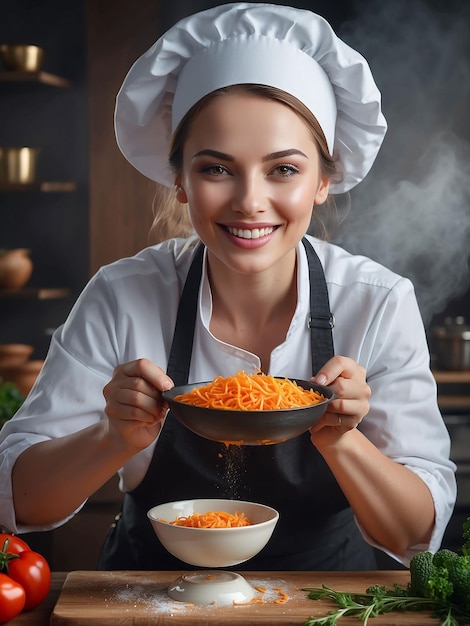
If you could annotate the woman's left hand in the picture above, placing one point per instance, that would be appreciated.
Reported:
(348, 381)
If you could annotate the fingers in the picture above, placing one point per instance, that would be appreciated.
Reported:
(348, 381)
(339, 366)
(148, 371)
(134, 404)
(134, 392)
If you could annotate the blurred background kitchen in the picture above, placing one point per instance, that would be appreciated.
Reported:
(80, 205)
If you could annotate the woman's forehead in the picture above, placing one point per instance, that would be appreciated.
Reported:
(238, 118)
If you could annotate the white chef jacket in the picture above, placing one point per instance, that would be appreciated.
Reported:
(128, 311)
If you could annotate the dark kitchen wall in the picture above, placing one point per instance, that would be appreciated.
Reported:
(54, 226)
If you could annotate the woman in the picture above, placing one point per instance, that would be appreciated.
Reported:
(263, 112)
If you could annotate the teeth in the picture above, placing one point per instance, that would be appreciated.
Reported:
(255, 233)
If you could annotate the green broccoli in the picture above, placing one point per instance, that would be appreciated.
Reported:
(459, 577)
(421, 570)
(465, 549)
(444, 557)
(442, 577)
(439, 587)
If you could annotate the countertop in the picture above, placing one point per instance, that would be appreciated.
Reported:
(139, 598)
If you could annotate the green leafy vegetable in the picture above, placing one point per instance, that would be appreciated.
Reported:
(10, 401)
(466, 538)
(439, 583)
(377, 600)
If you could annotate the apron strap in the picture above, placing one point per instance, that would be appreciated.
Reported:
(320, 321)
(179, 360)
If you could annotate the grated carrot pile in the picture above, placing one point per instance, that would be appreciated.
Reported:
(213, 519)
(251, 392)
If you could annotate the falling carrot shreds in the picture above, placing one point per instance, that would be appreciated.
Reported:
(251, 392)
(213, 519)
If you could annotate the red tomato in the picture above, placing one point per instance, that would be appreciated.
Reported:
(15, 544)
(32, 572)
(12, 598)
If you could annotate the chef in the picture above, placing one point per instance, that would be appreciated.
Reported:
(252, 115)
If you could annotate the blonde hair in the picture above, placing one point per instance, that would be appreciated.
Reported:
(171, 218)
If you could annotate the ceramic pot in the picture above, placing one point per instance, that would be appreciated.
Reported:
(13, 354)
(16, 268)
(23, 376)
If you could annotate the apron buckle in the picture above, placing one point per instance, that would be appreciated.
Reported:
(321, 321)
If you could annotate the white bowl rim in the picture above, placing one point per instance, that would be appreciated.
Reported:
(274, 514)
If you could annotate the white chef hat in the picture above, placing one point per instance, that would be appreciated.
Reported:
(292, 49)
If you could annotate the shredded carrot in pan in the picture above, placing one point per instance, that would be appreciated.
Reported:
(213, 519)
(251, 392)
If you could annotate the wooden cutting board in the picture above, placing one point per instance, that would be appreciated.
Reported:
(140, 598)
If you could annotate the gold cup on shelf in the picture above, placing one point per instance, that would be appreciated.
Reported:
(18, 165)
(22, 57)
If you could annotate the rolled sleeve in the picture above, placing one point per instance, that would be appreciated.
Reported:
(54, 408)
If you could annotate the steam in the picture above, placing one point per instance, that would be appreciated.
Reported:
(412, 212)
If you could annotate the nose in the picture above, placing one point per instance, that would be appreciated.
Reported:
(249, 195)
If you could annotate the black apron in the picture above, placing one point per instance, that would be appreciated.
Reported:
(316, 528)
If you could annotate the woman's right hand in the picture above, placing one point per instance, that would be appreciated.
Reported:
(134, 404)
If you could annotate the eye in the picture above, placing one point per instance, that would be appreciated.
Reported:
(285, 170)
(214, 170)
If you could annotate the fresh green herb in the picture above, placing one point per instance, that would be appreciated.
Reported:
(439, 583)
(376, 601)
(10, 401)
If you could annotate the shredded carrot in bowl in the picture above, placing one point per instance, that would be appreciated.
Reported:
(251, 392)
(213, 519)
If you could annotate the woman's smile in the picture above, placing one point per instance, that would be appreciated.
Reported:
(249, 237)
(253, 233)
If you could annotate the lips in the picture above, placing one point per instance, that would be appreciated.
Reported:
(250, 233)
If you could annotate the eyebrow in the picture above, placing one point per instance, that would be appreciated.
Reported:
(268, 157)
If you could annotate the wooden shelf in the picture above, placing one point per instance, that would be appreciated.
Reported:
(453, 390)
(45, 187)
(457, 377)
(34, 293)
(44, 78)
(448, 403)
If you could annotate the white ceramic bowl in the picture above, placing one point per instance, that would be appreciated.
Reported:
(213, 547)
(212, 587)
